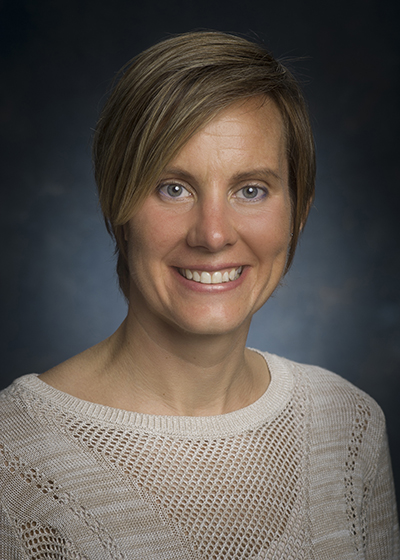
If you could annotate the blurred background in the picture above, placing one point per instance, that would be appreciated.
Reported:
(339, 307)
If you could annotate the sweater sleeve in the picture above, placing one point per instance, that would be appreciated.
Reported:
(10, 546)
(383, 529)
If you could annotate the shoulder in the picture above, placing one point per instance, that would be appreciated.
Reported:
(324, 385)
(11, 395)
(346, 427)
(16, 401)
(333, 401)
(29, 416)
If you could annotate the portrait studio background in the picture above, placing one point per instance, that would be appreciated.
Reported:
(339, 305)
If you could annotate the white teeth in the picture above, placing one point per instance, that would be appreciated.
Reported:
(205, 278)
(216, 278)
(212, 278)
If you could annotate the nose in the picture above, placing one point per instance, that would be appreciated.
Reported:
(212, 225)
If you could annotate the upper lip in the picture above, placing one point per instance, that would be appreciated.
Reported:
(209, 268)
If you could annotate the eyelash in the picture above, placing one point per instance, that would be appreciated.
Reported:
(172, 184)
(261, 192)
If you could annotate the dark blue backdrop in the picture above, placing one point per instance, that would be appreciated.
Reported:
(339, 306)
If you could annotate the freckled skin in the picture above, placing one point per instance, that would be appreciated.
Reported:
(212, 223)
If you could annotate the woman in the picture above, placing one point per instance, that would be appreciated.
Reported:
(170, 439)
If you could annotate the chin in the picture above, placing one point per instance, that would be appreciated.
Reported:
(210, 326)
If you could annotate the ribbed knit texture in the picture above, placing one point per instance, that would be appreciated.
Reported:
(303, 473)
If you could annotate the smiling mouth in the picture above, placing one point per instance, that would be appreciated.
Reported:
(217, 277)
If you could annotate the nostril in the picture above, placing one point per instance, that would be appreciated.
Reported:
(212, 230)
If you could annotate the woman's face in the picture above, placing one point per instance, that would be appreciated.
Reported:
(209, 245)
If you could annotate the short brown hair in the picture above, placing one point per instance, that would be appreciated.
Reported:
(165, 95)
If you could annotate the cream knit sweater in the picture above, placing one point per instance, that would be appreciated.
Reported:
(303, 473)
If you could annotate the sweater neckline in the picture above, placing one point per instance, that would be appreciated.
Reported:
(263, 410)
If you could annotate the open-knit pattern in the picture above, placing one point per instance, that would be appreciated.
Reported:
(136, 486)
(230, 496)
(45, 542)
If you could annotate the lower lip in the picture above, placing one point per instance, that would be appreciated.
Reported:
(211, 288)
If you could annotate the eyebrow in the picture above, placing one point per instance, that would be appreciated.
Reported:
(264, 172)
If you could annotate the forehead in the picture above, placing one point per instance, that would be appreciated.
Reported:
(260, 110)
(247, 134)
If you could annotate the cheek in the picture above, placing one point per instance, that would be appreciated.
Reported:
(150, 237)
(140, 244)
(269, 233)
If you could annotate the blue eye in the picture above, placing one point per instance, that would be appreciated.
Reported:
(174, 190)
(251, 193)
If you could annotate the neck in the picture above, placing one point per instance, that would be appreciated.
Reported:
(165, 372)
